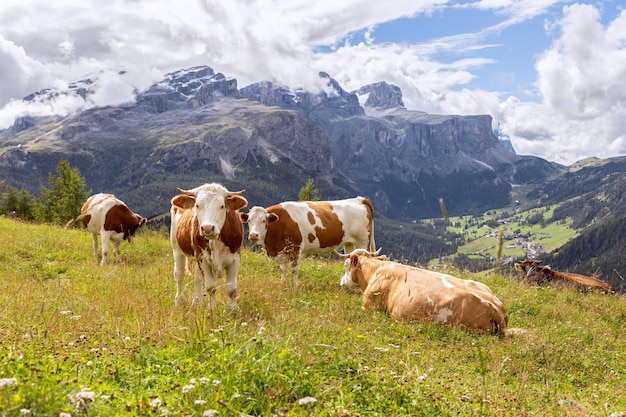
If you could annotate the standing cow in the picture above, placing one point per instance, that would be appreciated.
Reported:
(408, 293)
(289, 229)
(207, 230)
(104, 215)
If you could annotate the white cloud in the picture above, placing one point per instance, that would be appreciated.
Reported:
(580, 78)
(581, 95)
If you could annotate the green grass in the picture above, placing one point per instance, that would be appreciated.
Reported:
(81, 339)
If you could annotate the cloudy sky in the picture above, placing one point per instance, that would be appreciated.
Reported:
(551, 73)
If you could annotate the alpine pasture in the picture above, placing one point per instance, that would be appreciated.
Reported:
(80, 339)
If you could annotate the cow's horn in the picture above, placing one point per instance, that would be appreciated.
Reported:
(343, 255)
(236, 192)
(186, 192)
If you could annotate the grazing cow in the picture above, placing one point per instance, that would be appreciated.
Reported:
(206, 230)
(104, 215)
(289, 229)
(413, 294)
(539, 274)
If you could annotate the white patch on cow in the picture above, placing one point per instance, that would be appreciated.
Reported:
(444, 314)
(445, 282)
(429, 300)
(346, 280)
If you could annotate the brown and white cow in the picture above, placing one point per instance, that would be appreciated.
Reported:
(290, 229)
(536, 273)
(104, 215)
(409, 293)
(207, 230)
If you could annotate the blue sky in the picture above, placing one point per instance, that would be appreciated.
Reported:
(549, 72)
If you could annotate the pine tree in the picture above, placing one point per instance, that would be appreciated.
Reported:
(309, 192)
(63, 200)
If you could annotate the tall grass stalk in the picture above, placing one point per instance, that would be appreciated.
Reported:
(81, 339)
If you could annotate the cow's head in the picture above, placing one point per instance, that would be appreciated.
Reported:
(211, 202)
(258, 218)
(132, 228)
(527, 265)
(354, 275)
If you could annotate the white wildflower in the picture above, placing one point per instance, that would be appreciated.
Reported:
(5, 382)
(209, 413)
(188, 388)
(307, 400)
(199, 402)
(216, 382)
(75, 318)
(65, 312)
(86, 394)
(156, 403)
(24, 411)
(204, 381)
(65, 415)
(193, 381)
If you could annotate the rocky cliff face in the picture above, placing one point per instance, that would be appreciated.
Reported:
(197, 126)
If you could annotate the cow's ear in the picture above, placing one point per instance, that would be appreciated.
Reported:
(183, 201)
(354, 260)
(243, 217)
(271, 217)
(235, 202)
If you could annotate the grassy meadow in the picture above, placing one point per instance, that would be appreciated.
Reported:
(483, 240)
(79, 339)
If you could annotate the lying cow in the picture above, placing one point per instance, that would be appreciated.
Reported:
(413, 294)
(290, 229)
(206, 229)
(104, 215)
(539, 274)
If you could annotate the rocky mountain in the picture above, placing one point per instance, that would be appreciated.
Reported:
(197, 126)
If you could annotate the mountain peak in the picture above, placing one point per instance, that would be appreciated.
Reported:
(381, 95)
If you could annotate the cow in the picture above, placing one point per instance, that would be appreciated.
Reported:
(104, 215)
(539, 274)
(207, 231)
(409, 293)
(290, 229)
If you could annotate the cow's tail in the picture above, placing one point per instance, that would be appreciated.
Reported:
(370, 213)
(71, 222)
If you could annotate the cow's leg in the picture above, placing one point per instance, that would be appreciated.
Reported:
(201, 275)
(105, 246)
(116, 249)
(179, 276)
(231, 284)
(284, 268)
(180, 263)
(295, 269)
(94, 238)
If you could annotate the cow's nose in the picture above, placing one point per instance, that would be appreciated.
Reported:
(208, 229)
(253, 237)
